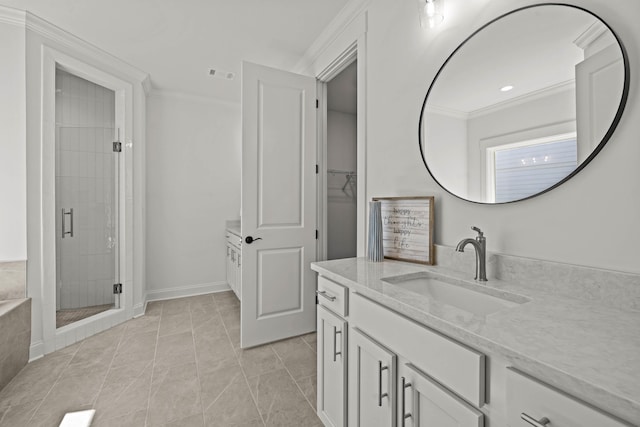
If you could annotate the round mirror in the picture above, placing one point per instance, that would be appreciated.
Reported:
(523, 104)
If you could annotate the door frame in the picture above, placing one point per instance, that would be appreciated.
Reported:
(354, 51)
(54, 339)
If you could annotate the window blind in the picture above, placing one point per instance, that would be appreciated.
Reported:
(523, 171)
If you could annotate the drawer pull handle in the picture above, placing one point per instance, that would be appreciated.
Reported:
(380, 394)
(542, 422)
(326, 295)
(405, 385)
(335, 348)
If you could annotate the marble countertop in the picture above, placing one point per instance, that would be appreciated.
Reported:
(589, 350)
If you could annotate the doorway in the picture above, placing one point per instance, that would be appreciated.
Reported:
(341, 189)
(86, 198)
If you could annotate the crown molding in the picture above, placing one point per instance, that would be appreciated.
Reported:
(65, 38)
(146, 85)
(523, 99)
(332, 31)
(444, 111)
(513, 102)
(590, 35)
(51, 32)
(11, 16)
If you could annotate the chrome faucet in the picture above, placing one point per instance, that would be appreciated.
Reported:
(480, 245)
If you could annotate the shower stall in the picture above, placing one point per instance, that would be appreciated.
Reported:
(85, 150)
(87, 166)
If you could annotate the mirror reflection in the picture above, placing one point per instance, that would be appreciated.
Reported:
(523, 104)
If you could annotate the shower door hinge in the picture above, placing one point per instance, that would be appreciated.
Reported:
(117, 288)
(317, 169)
(117, 147)
(317, 103)
(317, 234)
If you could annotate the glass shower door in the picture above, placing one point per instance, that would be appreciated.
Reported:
(86, 199)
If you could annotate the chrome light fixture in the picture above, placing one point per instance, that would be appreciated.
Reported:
(431, 12)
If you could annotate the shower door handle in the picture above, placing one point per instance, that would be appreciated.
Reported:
(64, 224)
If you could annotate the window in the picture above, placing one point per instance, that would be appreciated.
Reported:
(525, 168)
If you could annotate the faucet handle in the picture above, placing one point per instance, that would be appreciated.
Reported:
(477, 230)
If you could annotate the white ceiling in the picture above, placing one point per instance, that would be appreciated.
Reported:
(530, 50)
(176, 42)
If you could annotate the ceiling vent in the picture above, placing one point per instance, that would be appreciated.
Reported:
(220, 74)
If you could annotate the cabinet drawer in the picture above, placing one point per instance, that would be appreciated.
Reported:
(527, 396)
(333, 296)
(452, 364)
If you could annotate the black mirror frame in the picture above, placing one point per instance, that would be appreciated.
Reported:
(596, 150)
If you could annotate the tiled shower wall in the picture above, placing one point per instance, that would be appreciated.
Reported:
(85, 181)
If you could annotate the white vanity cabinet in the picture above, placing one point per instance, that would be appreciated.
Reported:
(452, 364)
(375, 366)
(234, 262)
(429, 373)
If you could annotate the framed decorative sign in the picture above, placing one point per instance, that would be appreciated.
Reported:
(407, 228)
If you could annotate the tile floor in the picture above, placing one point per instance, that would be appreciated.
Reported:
(179, 365)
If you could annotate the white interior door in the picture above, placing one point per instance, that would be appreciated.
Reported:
(278, 204)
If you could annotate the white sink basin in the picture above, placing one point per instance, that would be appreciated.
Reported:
(456, 293)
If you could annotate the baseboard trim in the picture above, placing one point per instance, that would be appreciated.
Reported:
(187, 291)
(36, 351)
(139, 309)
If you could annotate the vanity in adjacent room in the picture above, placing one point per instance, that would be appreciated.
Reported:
(234, 257)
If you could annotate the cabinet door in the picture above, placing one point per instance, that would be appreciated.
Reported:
(232, 282)
(332, 368)
(425, 403)
(372, 374)
(238, 268)
(230, 269)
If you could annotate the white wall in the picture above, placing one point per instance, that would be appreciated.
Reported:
(13, 158)
(341, 207)
(446, 138)
(193, 187)
(590, 220)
